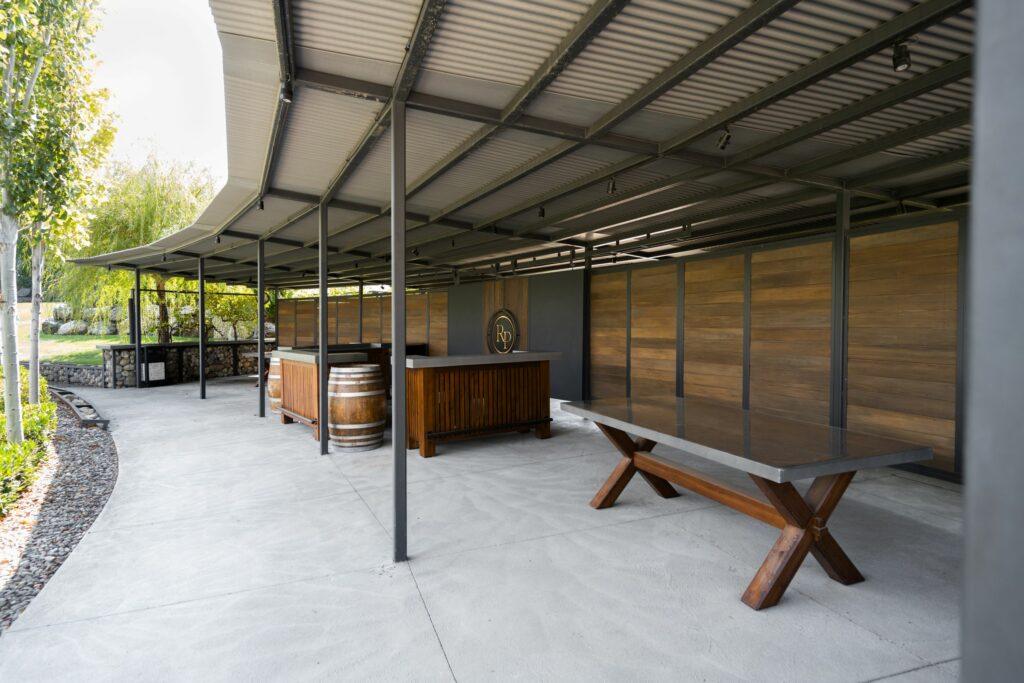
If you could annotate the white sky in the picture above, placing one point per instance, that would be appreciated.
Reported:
(161, 62)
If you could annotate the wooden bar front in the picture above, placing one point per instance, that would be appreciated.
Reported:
(448, 403)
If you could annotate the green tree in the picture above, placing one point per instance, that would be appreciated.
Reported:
(48, 113)
(141, 204)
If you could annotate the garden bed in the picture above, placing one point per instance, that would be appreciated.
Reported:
(70, 489)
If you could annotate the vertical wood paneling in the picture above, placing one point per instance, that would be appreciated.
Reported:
(286, 322)
(653, 331)
(513, 294)
(608, 335)
(305, 322)
(790, 331)
(438, 324)
(332, 320)
(713, 329)
(901, 377)
(371, 319)
(416, 318)
(348, 323)
(385, 319)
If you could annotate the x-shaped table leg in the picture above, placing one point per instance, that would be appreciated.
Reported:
(805, 531)
(625, 470)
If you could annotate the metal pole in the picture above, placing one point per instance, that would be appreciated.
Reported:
(137, 332)
(398, 426)
(261, 321)
(588, 256)
(323, 368)
(840, 272)
(202, 327)
(359, 313)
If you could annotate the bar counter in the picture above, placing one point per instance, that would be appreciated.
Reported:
(465, 396)
(300, 382)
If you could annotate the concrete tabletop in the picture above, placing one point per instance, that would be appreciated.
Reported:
(776, 448)
(480, 359)
(313, 357)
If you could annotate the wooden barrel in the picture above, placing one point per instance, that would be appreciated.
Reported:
(274, 384)
(358, 408)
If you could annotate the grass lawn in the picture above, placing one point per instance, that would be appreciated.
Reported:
(71, 348)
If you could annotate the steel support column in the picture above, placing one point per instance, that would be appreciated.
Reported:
(398, 427)
(201, 275)
(261, 323)
(588, 263)
(840, 272)
(137, 329)
(323, 368)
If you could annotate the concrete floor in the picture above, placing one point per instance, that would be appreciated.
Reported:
(231, 550)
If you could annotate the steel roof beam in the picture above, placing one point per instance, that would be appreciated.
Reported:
(899, 28)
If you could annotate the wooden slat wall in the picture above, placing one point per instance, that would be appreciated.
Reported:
(285, 322)
(438, 323)
(513, 294)
(608, 335)
(653, 315)
(332, 320)
(305, 322)
(790, 331)
(903, 337)
(371, 319)
(416, 318)
(348, 312)
(385, 319)
(713, 329)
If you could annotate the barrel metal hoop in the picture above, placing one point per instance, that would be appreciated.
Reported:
(355, 394)
(338, 425)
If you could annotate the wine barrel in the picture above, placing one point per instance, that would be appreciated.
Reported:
(358, 408)
(274, 384)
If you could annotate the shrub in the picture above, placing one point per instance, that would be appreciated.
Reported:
(23, 381)
(18, 462)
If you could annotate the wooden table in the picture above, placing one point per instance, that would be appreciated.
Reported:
(465, 396)
(773, 451)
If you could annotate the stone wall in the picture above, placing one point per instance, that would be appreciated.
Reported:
(68, 373)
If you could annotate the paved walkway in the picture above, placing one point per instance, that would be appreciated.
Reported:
(231, 550)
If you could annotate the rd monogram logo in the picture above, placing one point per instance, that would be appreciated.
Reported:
(502, 332)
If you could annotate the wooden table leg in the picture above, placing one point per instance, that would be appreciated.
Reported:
(805, 531)
(625, 469)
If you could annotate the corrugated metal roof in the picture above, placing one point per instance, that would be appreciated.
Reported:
(369, 30)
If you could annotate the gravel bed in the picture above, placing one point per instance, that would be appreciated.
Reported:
(72, 486)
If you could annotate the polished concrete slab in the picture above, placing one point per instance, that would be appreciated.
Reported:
(231, 550)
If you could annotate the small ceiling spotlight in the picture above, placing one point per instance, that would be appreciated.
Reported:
(163, 258)
(724, 138)
(540, 212)
(415, 252)
(261, 203)
(611, 185)
(901, 56)
(453, 242)
(217, 239)
(286, 93)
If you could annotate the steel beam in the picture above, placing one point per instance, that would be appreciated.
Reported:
(398, 424)
(840, 278)
(137, 332)
(323, 367)
(201, 277)
(261, 323)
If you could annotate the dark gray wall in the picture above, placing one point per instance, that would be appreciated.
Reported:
(993, 616)
(466, 319)
(556, 324)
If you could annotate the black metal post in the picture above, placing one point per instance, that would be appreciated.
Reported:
(137, 331)
(398, 427)
(840, 274)
(588, 256)
(201, 276)
(359, 313)
(323, 368)
(261, 322)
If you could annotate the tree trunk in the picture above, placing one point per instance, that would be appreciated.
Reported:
(38, 250)
(163, 327)
(9, 325)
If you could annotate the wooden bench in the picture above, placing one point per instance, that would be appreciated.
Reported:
(773, 451)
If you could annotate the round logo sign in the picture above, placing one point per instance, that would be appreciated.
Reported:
(502, 332)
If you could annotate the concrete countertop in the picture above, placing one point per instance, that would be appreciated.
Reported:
(480, 359)
(312, 356)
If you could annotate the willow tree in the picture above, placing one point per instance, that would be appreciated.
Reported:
(141, 204)
(47, 115)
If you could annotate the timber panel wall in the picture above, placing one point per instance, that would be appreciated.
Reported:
(513, 294)
(348, 330)
(305, 322)
(286, 322)
(791, 331)
(652, 346)
(416, 318)
(713, 328)
(903, 337)
(371, 319)
(438, 331)
(385, 319)
(608, 316)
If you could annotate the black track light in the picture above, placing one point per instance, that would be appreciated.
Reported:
(217, 239)
(540, 212)
(415, 252)
(724, 138)
(286, 93)
(611, 185)
(164, 258)
(900, 57)
(261, 203)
